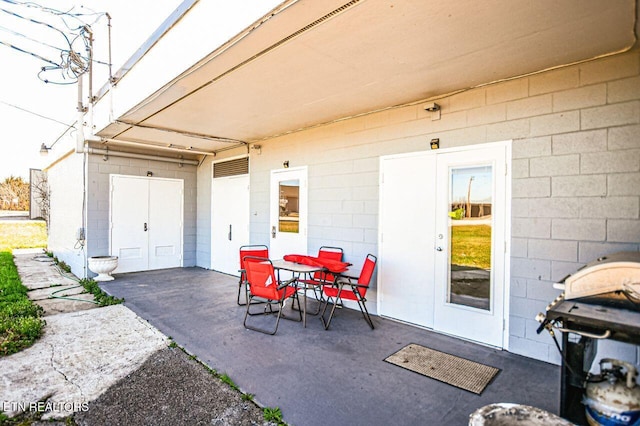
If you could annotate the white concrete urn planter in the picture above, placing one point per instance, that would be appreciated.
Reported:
(103, 266)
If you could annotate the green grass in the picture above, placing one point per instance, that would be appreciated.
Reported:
(22, 234)
(20, 322)
(99, 296)
(471, 246)
(273, 415)
(289, 226)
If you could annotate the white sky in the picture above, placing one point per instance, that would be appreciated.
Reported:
(22, 133)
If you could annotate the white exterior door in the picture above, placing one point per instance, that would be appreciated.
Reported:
(444, 240)
(471, 244)
(230, 221)
(165, 223)
(407, 232)
(146, 222)
(129, 223)
(288, 206)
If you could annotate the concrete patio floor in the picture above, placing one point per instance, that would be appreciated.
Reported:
(318, 377)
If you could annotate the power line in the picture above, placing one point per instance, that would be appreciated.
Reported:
(72, 62)
(35, 55)
(10, 31)
(36, 114)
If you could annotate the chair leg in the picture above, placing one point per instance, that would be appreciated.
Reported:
(240, 291)
(271, 311)
(365, 313)
(261, 330)
(246, 294)
(327, 323)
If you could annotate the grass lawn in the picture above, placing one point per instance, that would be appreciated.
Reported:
(22, 234)
(471, 246)
(20, 322)
(289, 226)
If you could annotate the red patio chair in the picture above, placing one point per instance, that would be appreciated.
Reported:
(322, 278)
(347, 288)
(263, 285)
(249, 250)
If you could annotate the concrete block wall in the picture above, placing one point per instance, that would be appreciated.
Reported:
(575, 174)
(98, 199)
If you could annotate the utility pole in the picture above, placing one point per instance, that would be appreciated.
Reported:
(468, 212)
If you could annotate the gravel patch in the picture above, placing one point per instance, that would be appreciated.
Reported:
(171, 388)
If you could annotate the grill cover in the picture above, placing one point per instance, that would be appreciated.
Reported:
(611, 273)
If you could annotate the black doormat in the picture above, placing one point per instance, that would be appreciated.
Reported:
(455, 371)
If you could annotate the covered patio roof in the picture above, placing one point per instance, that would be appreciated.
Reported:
(309, 63)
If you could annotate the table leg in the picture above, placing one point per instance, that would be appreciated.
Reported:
(304, 309)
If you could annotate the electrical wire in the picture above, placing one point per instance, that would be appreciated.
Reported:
(72, 63)
(17, 34)
(35, 55)
(36, 114)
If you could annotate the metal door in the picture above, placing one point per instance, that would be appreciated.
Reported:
(229, 221)
(130, 223)
(407, 229)
(146, 222)
(165, 223)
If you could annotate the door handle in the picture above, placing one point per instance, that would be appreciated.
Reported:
(145, 227)
(230, 232)
(439, 248)
(273, 232)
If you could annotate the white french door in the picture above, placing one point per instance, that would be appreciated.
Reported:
(146, 228)
(443, 240)
(230, 221)
(288, 217)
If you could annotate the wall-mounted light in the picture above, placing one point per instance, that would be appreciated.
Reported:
(43, 149)
(286, 164)
(435, 143)
(149, 173)
(433, 108)
(257, 147)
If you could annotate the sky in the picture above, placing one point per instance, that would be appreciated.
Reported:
(33, 112)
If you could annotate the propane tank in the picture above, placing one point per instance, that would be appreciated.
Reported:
(612, 397)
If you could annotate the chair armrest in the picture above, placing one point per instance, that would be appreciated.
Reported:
(287, 283)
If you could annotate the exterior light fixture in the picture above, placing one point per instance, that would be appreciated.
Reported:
(286, 164)
(435, 143)
(432, 107)
(149, 173)
(43, 149)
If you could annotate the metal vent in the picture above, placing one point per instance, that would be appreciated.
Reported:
(239, 166)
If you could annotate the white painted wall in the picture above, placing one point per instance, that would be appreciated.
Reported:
(576, 176)
(66, 187)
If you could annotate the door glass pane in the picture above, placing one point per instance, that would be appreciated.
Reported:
(470, 208)
(289, 202)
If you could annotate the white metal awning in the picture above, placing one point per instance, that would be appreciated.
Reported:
(314, 62)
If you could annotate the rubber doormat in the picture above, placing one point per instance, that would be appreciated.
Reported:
(455, 371)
